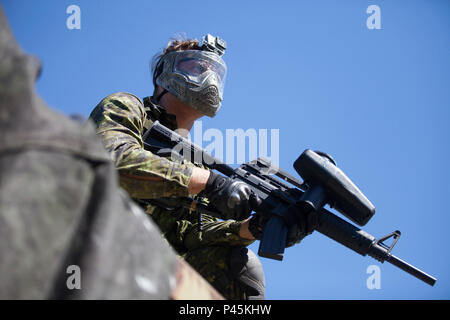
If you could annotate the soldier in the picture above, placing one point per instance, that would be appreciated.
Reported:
(189, 81)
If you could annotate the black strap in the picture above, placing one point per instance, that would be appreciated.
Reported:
(158, 98)
(156, 112)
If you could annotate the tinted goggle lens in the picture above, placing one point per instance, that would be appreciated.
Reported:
(196, 67)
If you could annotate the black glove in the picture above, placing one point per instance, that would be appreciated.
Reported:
(301, 222)
(231, 198)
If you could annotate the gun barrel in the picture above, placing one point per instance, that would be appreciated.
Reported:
(382, 254)
(363, 243)
(399, 263)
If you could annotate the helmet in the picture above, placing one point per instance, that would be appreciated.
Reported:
(196, 77)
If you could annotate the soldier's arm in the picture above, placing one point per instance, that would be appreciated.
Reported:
(144, 175)
(198, 180)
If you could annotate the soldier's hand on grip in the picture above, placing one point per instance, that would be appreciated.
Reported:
(301, 223)
(231, 198)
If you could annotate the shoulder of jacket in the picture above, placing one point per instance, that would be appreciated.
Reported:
(126, 101)
(125, 97)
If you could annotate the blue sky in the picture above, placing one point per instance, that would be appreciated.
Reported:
(377, 100)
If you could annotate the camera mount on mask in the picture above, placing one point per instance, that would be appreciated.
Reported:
(214, 44)
(324, 183)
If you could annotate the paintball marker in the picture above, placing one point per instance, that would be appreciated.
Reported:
(323, 183)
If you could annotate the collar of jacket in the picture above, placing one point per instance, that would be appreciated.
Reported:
(157, 112)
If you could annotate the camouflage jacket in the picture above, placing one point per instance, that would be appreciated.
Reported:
(121, 119)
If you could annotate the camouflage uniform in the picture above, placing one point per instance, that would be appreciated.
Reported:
(121, 119)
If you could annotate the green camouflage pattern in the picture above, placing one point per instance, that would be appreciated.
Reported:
(121, 119)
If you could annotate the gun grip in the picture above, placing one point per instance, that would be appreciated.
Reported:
(273, 239)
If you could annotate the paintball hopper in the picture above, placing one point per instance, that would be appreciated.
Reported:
(328, 184)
